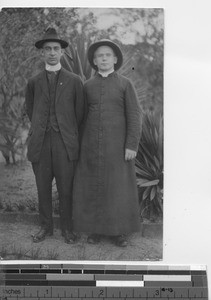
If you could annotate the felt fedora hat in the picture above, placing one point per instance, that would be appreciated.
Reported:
(50, 36)
(105, 42)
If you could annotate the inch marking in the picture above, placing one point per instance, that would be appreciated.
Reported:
(73, 282)
(106, 292)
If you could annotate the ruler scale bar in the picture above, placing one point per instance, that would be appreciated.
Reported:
(53, 292)
(98, 281)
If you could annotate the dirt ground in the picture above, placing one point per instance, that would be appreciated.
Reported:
(18, 193)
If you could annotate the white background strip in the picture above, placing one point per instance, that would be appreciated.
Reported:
(119, 283)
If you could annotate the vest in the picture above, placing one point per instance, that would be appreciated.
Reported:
(52, 85)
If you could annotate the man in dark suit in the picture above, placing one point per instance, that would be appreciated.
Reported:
(55, 105)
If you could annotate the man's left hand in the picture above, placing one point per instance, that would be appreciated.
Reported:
(129, 154)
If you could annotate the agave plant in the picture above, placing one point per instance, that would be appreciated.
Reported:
(149, 165)
(75, 58)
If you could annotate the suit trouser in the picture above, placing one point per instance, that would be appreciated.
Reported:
(54, 163)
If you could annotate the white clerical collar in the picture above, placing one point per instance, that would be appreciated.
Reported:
(53, 68)
(105, 74)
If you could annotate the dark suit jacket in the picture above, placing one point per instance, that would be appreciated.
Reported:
(69, 107)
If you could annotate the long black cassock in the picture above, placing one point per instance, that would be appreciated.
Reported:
(105, 191)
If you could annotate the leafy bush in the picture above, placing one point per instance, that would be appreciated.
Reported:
(149, 166)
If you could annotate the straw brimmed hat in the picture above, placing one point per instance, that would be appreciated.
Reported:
(108, 43)
(50, 36)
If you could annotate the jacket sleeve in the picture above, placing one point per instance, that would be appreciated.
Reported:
(133, 117)
(29, 100)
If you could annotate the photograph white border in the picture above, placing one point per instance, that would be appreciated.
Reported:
(187, 127)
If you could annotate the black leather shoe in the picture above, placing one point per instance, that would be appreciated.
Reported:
(69, 237)
(93, 239)
(40, 235)
(120, 241)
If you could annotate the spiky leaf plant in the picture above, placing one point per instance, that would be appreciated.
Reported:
(75, 58)
(149, 166)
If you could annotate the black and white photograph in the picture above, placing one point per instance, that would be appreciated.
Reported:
(81, 133)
